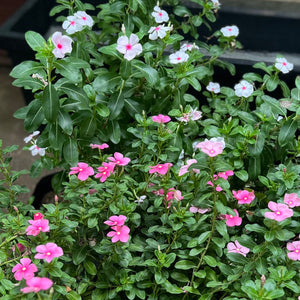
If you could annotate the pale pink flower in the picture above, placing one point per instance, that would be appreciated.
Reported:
(188, 47)
(178, 57)
(62, 44)
(24, 270)
(105, 171)
(38, 216)
(218, 188)
(243, 196)
(236, 247)
(161, 119)
(20, 247)
(212, 147)
(292, 200)
(100, 147)
(159, 31)
(280, 211)
(119, 233)
(83, 18)
(160, 15)
(160, 168)
(83, 170)
(283, 65)
(195, 114)
(294, 249)
(116, 220)
(48, 252)
(29, 138)
(233, 220)
(71, 25)
(214, 87)
(226, 174)
(243, 89)
(37, 226)
(37, 284)
(35, 149)
(119, 159)
(229, 31)
(129, 47)
(173, 194)
(160, 192)
(194, 210)
(185, 168)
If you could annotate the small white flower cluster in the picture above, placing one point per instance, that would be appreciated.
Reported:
(34, 148)
(76, 22)
(159, 31)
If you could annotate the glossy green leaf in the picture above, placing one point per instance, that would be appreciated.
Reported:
(185, 265)
(50, 104)
(26, 68)
(147, 72)
(287, 131)
(35, 116)
(70, 151)
(35, 40)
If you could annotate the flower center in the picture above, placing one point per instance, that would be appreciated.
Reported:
(128, 47)
(178, 58)
(157, 28)
(72, 23)
(284, 63)
(243, 88)
(237, 249)
(48, 253)
(159, 167)
(160, 14)
(24, 269)
(40, 228)
(297, 250)
(59, 46)
(117, 162)
(118, 232)
(229, 29)
(245, 198)
(278, 212)
(84, 18)
(290, 202)
(212, 151)
(230, 216)
(80, 170)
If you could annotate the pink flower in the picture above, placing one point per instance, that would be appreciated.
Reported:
(232, 221)
(20, 247)
(119, 159)
(116, 220)
(24, 270)
(38, 216)
(160, 192)
(84, 171)
(62, 44)
(173, 194)
(160, 168)
(185, 168)
(105, 171)
(161, 119)
(218, 188)
(120, 233)
(226, 174)
(100, 147)
(37, 284)
(194, 210)
(280, 211)
(37, 226)
(129, 47)
(212, 147)
(48, 252)
(292, 200)
(294, 247)
(243, 196)
(236, 247)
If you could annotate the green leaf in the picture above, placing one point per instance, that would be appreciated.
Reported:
(115, 131)
(73, 296)
(90, 267)
(26, 68)
(185, 265)
(35, 40)
(169, 259)
(287, 131)
(272, 83)
(36, 169)
(256, 148)
(242, 174)
(284, 235)
(79, 254)
(50, 103)
(29, 83)
(255, 228)
(211, 261)
(65, 122)
(274, 104)
(88, 127)
(115, 105)
(34, 116)
(203, 237)
(111, 50)
(147, 72)
(125, 69)
(133, 107)
(106, 82)
(70, 152)
(254, 167)
(237, 258)
(102, 110)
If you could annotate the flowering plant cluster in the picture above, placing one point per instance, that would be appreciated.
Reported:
(169, 183)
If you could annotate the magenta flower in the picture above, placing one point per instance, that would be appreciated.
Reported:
(83, 170)
(37, 226)
(280, 211)
(161, 119)
(48, 252)
(236, 247)
(294, 249)
(119, 159)
(160, 168)
(20, 247)
(292, 200)
(100, 147)
(105, 171)
(185, 168)
(116, 220)
(160, 192)
(24, 270)
(62, 44)
(38, 216)
(37, 284)
(243, 196)
(232, 221)
(226, 174)
(212, 147)
(120, 233)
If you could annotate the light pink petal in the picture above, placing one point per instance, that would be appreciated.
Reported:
(133, 39)
(272, 205)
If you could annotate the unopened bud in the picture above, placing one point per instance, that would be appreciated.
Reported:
(158, 247)
(56, 199)
(262, 281)
(16, 209)
(123, 29)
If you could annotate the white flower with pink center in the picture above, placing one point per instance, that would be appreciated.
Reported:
(71, 25)
(229, 31)
(130, 47)
(62, 44)
(243, 89)
(159, 31)
(213, 87)
(283, 65)
(160, 15)
(83, 19)
(188, 47)
(178, 57)
(30, 137)
(37, 150)
(216, 3)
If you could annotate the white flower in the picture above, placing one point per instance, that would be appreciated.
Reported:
(185, 118)
(159, 31)
(129, 47)
(29, 138)
(189, 47)
(283, 65)
(71, 25)
(243, 89)
(160, 15)
(178, 57)
(37, 150)
(62, 44)
(216, 3)
(229, 31)
(213, 87)
(83, 19)
(195, 114)
(141, 199)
